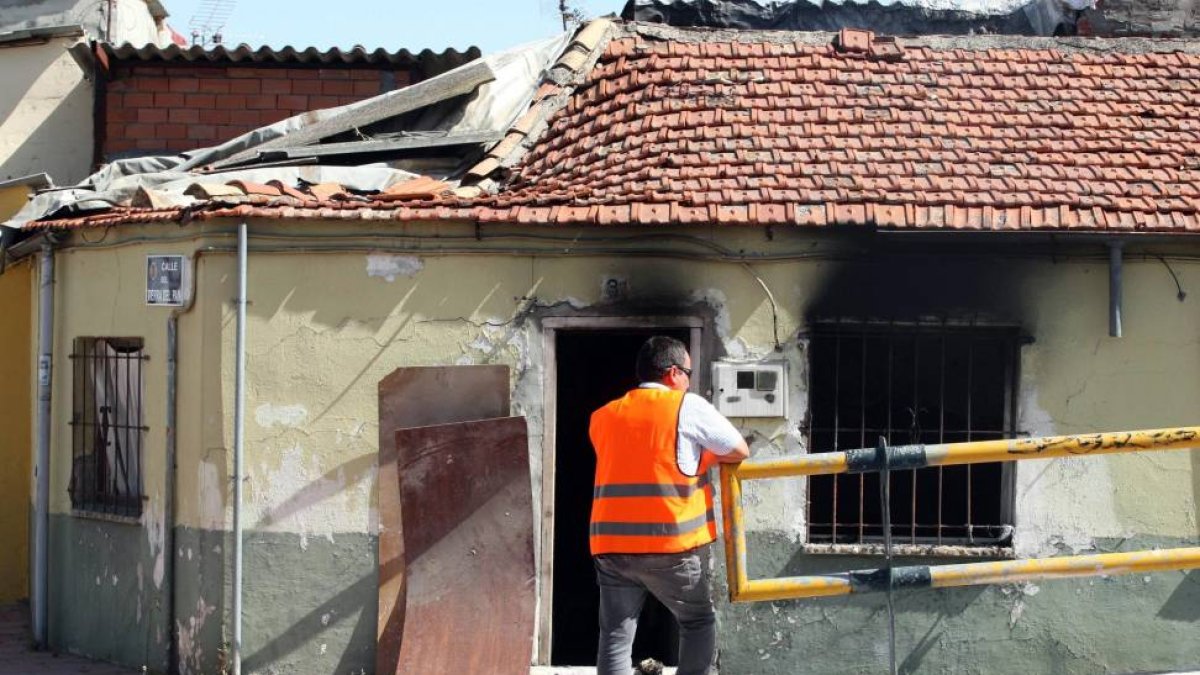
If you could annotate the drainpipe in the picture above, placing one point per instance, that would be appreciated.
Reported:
(41, 467)
(169, 490)
(1115, 287)
(239, 437)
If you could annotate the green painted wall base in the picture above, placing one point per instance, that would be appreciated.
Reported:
(1126, 624)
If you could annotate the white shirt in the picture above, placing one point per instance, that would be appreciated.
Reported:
(701, 428)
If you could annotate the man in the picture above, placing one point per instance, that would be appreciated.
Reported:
(652, 519)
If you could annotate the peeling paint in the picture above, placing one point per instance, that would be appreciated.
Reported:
(191, 652)
(391, 266)
(291, 416)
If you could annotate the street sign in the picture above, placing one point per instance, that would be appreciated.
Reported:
(166, 279)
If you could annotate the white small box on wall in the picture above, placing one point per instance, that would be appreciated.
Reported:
(750, 389)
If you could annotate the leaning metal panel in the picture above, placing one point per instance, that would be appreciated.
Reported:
(744, 589)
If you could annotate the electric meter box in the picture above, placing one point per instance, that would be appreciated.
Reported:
(750, 389)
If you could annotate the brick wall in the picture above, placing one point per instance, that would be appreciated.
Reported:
(156, 108)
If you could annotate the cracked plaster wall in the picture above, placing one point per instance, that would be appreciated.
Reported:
(324, 328)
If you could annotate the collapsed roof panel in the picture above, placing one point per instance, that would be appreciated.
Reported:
(929, 17)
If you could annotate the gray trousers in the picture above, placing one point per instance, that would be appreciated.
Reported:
(680, 582)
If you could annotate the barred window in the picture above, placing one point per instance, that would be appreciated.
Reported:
(107, 426)
(912, 384)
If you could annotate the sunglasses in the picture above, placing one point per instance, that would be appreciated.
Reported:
(685, 371)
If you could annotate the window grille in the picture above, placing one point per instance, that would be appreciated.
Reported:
(107, 427)
(912, 384)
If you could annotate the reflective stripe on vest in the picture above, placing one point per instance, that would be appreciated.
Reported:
(642, 502)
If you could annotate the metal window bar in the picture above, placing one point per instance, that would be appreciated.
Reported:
(957, 378)
(107, 426)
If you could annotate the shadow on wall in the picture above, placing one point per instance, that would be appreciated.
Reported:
(1184, 603)
(61, 144)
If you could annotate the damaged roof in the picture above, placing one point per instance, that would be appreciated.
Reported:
(675, 126)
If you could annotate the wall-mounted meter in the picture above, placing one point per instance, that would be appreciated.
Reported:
(750, 389)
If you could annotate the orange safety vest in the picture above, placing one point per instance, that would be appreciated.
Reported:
(643, 502)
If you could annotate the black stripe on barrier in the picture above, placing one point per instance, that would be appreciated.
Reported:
(874, 581)
(867, 460)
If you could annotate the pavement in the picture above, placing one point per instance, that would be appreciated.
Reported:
(18, 658)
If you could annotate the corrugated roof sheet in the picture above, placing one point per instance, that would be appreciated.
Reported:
(220, 54)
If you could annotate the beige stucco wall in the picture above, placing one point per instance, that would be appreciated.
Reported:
(325, 328)
(45, 113)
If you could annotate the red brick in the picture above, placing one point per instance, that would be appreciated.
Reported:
(139, 100)
(118, 145)
(306, 87)
(201, 101)
(318, 102)
(168, 100)
(215, 116)
(403, 78)
(227, 132)
(232, 102)
(185, 84)
(303, 73)
(151, 115)
(334, 74)
(271, 116)
(364, 74)
(346, 100)
(114, 129)
(261, 101)
(120, 86)
(119, 113)
(293, 102)
(337, 88)
(245, 86)
(170, 131)
(151, 144)
(202, 132)
(214, 85)
(151, 84)
(138, 131)
(184, 115)
(244, 117)
(366, 88)
(276, 86)
(143, 71)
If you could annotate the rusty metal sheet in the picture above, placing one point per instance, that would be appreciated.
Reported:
(417, 397)
(467, 519)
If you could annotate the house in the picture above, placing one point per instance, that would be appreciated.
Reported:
(929, 239)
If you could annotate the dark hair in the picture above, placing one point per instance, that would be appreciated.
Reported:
(657, 356)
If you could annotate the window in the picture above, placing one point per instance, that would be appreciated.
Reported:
(106, 426)
(911, 384)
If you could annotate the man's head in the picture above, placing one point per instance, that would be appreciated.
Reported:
(665, 360)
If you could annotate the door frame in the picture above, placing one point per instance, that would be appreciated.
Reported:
(550, 329)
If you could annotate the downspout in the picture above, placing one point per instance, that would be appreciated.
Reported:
(239, 437)
(1115, 287)
(41, 467)
(169, 491)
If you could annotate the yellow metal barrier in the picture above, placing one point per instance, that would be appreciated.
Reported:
(743, 589)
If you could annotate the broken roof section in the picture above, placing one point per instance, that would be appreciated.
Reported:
(42, 17)
(439, 127)
(888, 17)
(648, 125)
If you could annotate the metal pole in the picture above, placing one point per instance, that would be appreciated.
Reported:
(976, 452)
(41, 467)
(1115, 288)
(969, 574)
(239, 412)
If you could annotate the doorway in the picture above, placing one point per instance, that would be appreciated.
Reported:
(593, 367)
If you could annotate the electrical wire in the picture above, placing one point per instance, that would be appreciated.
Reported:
(884, 454)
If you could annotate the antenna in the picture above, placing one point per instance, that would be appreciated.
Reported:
(208, 23)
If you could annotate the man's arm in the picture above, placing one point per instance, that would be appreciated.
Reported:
(714, 432)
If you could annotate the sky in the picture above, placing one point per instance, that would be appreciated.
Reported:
(491, 25)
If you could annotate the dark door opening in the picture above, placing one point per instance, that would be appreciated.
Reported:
(594, 367)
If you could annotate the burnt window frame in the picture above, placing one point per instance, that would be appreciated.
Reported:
(996, 538)
(95, 487)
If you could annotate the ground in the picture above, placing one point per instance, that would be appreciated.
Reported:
(16, 657)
